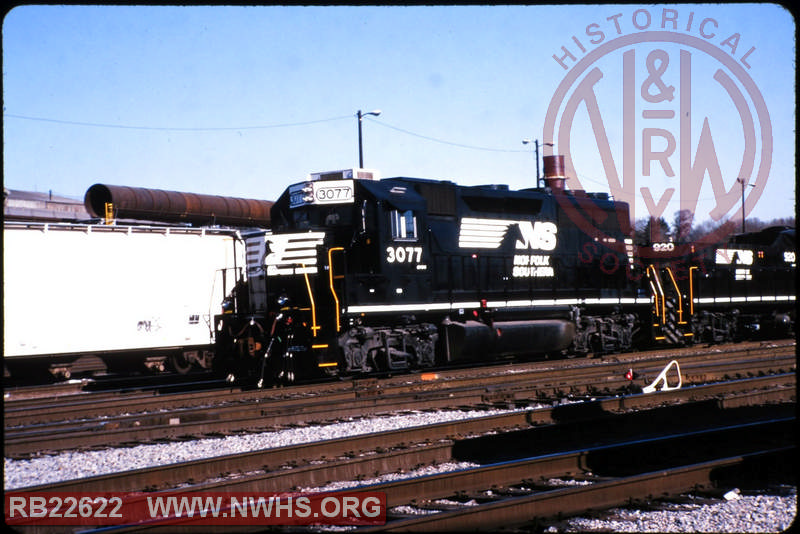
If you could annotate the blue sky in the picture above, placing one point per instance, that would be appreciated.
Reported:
(243, 101)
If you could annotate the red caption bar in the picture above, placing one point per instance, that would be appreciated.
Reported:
(201, 508)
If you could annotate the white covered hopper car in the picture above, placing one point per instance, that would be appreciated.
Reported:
(80, 297)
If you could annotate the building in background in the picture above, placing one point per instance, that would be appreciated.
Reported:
(33, 206)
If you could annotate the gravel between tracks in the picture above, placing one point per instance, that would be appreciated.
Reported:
(74, 465)
(749, 513)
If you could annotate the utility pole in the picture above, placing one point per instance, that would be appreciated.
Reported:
(536, 155)
(744, 183)
(360, 149)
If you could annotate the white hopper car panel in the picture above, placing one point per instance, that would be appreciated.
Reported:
(70, 288)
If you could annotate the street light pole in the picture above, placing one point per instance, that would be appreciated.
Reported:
(360, 146)
(536, 155)
(744, 183)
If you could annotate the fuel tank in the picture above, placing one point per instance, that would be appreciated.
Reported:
(472, 340)
(175, 207)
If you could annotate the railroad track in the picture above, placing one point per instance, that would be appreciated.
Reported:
(552, 429)
(216, 412)
(484, 502)
(36, 402)
(23, 406)
(713, 443)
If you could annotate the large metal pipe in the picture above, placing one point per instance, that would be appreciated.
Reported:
(173, 206)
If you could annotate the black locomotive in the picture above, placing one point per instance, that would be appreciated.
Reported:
(358, 275)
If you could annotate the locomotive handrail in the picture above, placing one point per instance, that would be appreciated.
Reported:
(660, 290)
(314, 326)
(691, 290)
(680, 297)
(333, 290)
(655, 298)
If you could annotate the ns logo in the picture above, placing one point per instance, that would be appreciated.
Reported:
(490, 233)
(540, 235)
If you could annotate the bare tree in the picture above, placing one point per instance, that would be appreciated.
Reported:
(651, 230)
(682, 226)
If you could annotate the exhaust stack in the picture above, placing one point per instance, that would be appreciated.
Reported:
(554, 173)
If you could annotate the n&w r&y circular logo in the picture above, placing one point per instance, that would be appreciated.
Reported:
(661, 101)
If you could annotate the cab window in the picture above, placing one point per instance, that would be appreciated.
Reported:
(404, 225)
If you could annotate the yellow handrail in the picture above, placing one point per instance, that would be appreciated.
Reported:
(680, 298)
(657, 279)
(330, 278)
(314, 326)
(655, 296)
(691, 290)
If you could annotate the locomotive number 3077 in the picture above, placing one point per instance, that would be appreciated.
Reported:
(403, 254)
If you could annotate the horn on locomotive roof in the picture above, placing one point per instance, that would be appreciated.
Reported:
(554, 174)
(175, 207)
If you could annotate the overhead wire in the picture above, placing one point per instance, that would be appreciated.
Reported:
(442, 141)
(254, 127)
(172, 128)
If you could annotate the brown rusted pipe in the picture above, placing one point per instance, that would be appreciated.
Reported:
(173, 206)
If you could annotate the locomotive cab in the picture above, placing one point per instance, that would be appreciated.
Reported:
(373, 255)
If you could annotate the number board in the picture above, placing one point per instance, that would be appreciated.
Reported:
(321, 192)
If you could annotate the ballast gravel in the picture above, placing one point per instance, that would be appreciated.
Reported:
(745, 513)
(75, 465)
